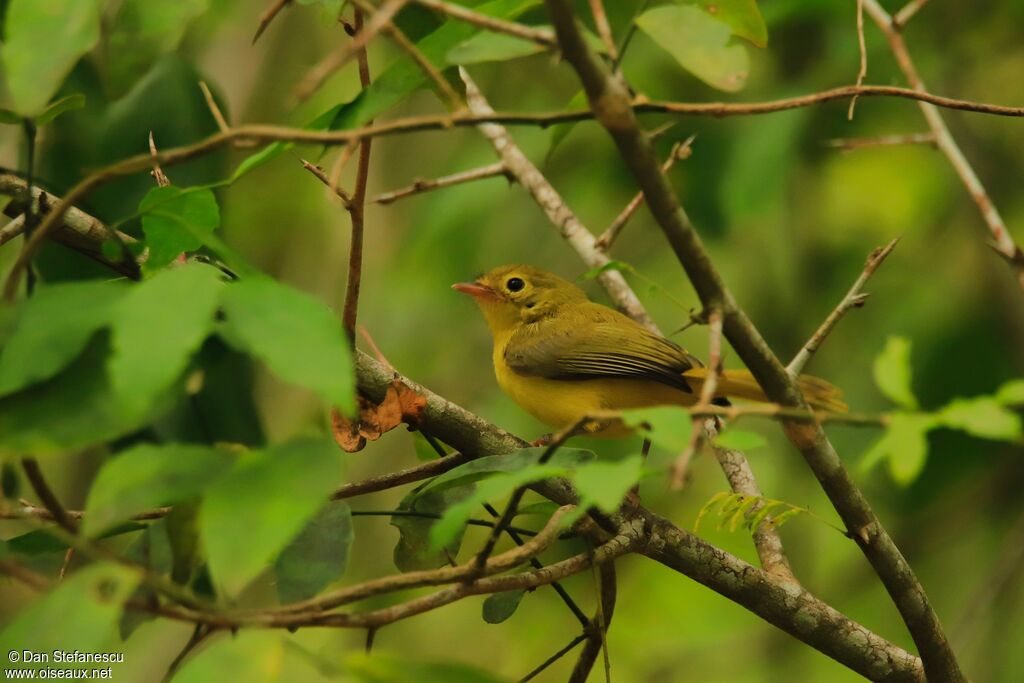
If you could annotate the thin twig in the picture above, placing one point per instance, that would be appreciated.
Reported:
(419, 186)
(863, 57)
(901, 18)
(707, 394)
(218, 115)
(850, 144)
(14, 227)
(46, 495)
(1004, 243)
(356, 209)
(158, 174)
(200, 633)
(345, 197)
(854, 298)
(597, 644)
(333, 62)
(268, 16)
(554, 658)
(398, 36)
(603, 28)
(541, 36)
(679, 152)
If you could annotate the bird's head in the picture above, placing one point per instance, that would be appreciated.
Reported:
(511, 295)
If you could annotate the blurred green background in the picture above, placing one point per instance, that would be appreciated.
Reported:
(789, 221)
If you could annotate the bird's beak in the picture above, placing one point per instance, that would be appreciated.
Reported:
(474, 289)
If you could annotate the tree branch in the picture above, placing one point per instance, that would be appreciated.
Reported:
(610, 101)
(420, 186)
(540, 36)
(1001, 237)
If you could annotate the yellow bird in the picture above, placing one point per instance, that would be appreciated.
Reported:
(563, 357)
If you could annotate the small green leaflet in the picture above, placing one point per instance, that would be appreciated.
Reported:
(605, 484)
(414, 551)
(500, 606)
(983, 417)
(737, 509)
(904, 445)
(481, 468)
(742, 16)
(893, 373)
(491, 47)
(1011, 393)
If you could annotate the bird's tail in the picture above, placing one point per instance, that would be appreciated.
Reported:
(741, 384)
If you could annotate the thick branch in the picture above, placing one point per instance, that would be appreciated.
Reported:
(610, 101)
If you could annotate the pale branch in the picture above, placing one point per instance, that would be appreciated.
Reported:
(211, 104)
(268, 16)
(609, 97)
(863, 57)
(420, 186)
(582, 241)
(76, 229)
(558, 212)
(399, 38)
(333, 62)
(258, 134)
(907, 12)
(604, 29)
(854, 298)
(850, 144)
(1003, 241)
(13, 228)
(541, 36)
(679, 152)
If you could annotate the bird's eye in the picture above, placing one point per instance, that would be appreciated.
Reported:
(515, 284)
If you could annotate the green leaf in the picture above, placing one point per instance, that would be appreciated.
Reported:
(42, 41)
(491, 47)
(42, 541)
(453, 522)
(250, 655)
(149, 476)
(424, 451)
(666, 426)
(413, 551)
(151, 549)
(296, 335)
(10, 118)
(700, 43)
(157, 328)
(81, 613)
(984, 417)
(715, 501)
(52, 328)
(741, 512)
(904, 445)
(251, 513)
(481, 468)
(742, 16)
(500, 606)
(141, 32)
(176, 220)
(317, 556)
(605, 484)
(893, 373)
(385, 668)
(1011, 393)
(58, 107)
(739, 440)
(83, 398)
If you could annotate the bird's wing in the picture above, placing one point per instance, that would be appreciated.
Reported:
(600, 343)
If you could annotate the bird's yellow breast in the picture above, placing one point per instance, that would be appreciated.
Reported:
(560, 403)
